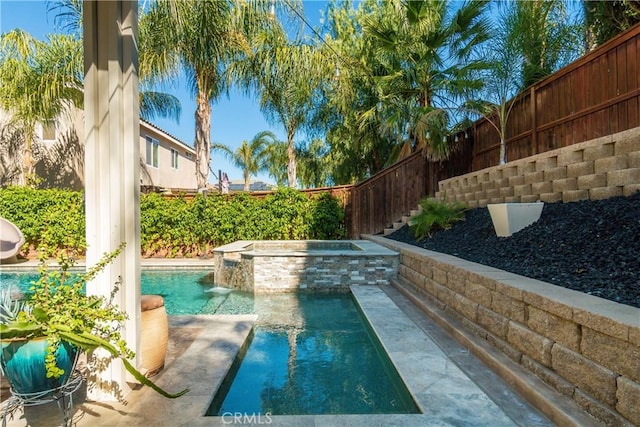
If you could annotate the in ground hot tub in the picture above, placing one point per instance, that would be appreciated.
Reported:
(291, 265)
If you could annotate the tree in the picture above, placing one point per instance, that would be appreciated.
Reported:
(43, 80)
(286, 76)
(250, 156)
(276, 160)
(605, 19)
(501, 80)
(313, 164)
(407, 67)
(201, 38)
(519, 56)
(545, 37)
(40, 80)
(428, 53)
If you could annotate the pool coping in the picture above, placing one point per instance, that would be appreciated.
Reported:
(365, 248)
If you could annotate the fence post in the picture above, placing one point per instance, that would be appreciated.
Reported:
(534, 125)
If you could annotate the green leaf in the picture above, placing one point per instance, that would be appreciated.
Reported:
(19, 329)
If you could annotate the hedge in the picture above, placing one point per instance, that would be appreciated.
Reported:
(177, 227)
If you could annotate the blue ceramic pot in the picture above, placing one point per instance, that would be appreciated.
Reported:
(23, 364)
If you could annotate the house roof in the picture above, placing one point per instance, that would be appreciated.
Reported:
(166, 134)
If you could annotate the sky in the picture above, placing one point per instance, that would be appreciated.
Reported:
(233, 119)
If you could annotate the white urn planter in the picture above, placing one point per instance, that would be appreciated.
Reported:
(509, 218)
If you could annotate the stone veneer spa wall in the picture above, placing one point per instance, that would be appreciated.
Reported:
(290, 265)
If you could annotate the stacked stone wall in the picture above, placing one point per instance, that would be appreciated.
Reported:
(585, 347)
(597, 169)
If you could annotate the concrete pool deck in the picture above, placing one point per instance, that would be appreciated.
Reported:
(449, 384)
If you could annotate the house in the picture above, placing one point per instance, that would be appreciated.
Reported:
(238, 185)
(168, 162)
(58, 151)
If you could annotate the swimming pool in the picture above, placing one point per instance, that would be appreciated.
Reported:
(184, 291)
(310, 352)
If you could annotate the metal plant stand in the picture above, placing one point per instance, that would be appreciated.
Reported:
(62, 395)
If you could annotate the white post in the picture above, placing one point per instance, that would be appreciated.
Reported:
(112, 169)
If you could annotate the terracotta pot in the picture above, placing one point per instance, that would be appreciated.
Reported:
(154, 333)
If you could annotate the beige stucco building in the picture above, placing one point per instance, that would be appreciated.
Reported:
(165, 161)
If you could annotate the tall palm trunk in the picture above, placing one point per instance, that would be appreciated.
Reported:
(27, 161)
(247, 185)
(203, 139)
(291, 154)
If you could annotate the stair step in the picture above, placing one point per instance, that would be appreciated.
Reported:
(388, 231)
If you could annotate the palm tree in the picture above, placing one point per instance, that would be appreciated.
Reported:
(250, 156)
(286, 75)
(544, 35)
(201, 38)
(68, 17)
(42, 80)
(518, 56)
(428, 64)
(501, 80)
(39, 80)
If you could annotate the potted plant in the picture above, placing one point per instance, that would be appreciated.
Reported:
(55, 322)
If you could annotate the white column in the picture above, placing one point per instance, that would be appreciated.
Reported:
(112, 169)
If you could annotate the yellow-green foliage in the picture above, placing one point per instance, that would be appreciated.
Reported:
(178, 226)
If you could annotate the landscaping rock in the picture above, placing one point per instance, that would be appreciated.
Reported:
(589, 246)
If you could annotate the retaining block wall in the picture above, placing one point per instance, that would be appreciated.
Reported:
(585, 347)
(597, 169)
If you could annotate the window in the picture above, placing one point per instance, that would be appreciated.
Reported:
(188, 155)
(49, 130)
(174, 158)
(152, 151)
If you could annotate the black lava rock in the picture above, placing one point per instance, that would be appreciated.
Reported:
(588, 246)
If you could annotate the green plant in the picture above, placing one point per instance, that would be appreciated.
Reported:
(177, 226)
(60, 310)
(436, 215)
(10, 308)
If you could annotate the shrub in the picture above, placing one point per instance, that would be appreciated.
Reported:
(178, 226)
(51, 217)
(436, 215)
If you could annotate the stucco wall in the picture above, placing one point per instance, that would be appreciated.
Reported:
(165, 176)
(597, 169)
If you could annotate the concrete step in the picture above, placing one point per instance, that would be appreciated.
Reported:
(405, 219)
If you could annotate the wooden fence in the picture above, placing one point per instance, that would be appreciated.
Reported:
(596, 95)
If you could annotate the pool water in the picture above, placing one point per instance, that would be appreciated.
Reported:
(310, 353)
(184, 291)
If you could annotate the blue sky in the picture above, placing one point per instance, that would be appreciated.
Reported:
(232, 120)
